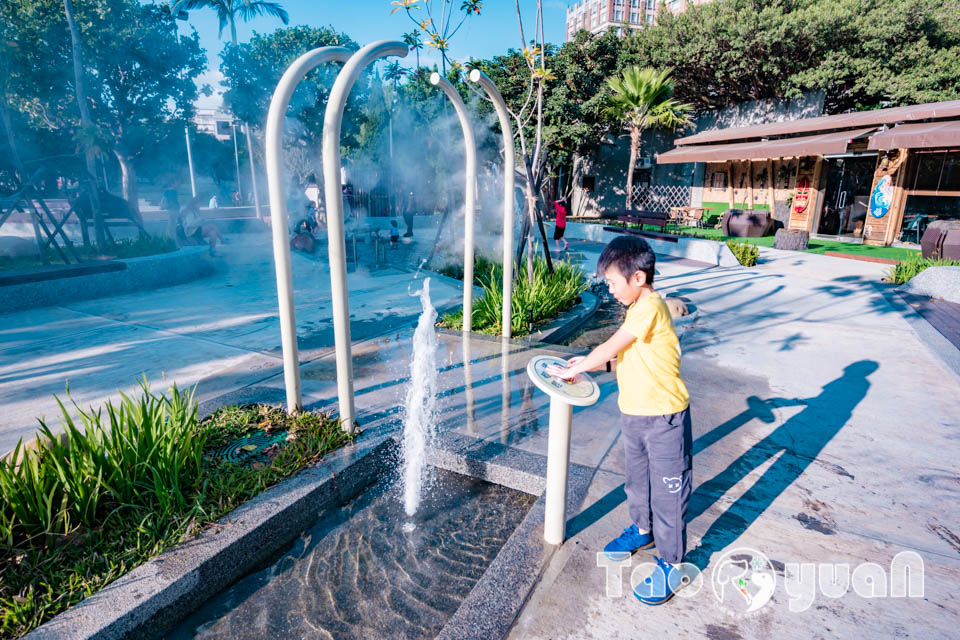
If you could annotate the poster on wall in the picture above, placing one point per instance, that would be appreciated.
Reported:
(802, 197)
(881, 197)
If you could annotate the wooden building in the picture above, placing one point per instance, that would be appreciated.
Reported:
(876, 177)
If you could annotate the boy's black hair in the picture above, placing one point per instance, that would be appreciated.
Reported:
(628, 254)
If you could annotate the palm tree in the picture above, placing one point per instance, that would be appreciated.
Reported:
(643, 99)
(229, 10)
(412, 40)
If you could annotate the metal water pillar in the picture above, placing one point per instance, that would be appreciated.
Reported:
(508, 170)
(564, 395)
(279, 221)
(470, 193)
(336, 245)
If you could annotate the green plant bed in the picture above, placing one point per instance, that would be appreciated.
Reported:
(125, 248)
(546, 296)
(131, 481)
(905, 270)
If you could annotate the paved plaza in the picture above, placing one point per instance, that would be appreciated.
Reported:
(824, 422)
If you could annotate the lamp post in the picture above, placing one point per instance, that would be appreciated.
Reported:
(184, 16)
(236, 156)
(253, 175)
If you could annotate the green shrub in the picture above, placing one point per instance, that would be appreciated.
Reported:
(745, 252)
(548, 295)
(904, 270)
(80, 510)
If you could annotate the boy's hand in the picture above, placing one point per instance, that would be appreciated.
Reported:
(566, 373)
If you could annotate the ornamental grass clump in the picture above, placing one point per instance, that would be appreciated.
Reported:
(903, 271)
(541, 299)
(124, 483)
(746, 253)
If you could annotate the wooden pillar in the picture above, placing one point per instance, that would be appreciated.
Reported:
(749, 184)
(730, 183)
(899, 200)
(771, 193)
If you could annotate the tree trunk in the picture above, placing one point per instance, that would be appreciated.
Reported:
(11, 141)
(86, 122)
(635, 134)
(129, 174)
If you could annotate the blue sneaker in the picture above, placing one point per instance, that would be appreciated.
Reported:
(627, 542)
(660, 586)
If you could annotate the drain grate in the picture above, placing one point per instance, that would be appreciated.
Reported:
(251, 446)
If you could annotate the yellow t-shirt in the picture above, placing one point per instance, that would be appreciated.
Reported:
(648, 371)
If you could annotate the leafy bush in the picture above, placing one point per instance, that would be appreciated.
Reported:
(78, 511)
(548, 295)
(482, 269)
(745, 252)
(904, 270)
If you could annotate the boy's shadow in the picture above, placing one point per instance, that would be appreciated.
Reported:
(799, 441)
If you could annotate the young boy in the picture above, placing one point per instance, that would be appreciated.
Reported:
(654, 416)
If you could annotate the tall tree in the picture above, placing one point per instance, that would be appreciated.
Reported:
(86, 125)
(229, 10)
(643, 99)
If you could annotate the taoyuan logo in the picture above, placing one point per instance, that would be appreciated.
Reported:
(744, 580)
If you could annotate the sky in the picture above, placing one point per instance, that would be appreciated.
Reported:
(491, 33)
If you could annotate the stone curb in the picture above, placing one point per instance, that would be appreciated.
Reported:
(138, 274)
(568, 322)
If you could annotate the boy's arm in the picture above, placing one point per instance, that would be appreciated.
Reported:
(597, 358)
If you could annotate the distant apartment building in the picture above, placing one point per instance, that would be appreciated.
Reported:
(214, 122)
(596, 16)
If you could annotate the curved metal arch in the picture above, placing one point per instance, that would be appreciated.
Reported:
(336, 243)
(279, 219)
(470, 193)
(508, 196)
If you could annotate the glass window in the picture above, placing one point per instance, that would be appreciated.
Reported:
(935, 172)
(649, 5)
(919, 211)
(650, 18)
(618, 15)
(635, 17)
(634, 4)
(618, 3)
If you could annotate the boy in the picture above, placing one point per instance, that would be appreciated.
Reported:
(654, 412)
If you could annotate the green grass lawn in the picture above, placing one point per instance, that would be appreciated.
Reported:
(816, 245)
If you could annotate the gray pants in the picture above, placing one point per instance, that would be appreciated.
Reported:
(659, 474)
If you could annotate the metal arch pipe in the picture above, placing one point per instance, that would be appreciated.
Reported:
(336, 243)
(470, 193)
(279, 221)
(508, 195)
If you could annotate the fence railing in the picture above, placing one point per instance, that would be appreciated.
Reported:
(661, 197)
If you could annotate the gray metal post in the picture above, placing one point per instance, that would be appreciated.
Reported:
(508, 170)
(253, 175)
(470, 193)
(332, 121)
(279, 221)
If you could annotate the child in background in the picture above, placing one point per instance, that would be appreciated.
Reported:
(394, 235)
(654, 416)
(561, 208)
